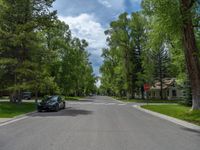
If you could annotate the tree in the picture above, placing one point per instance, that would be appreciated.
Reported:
(112, 80)
(69, 59)
(122, 67)
(161, 67)
(138, 28)
(38, 53)
(20, 23)
(178, 23)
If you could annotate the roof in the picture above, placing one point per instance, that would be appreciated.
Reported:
(167, 82)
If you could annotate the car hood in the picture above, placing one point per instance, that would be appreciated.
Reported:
(47, 103)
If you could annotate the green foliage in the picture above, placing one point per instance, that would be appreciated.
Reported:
(145, 47)
(177, 24)
(122, 60)
(38, 53)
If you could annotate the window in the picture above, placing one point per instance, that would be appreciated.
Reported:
(174, 93)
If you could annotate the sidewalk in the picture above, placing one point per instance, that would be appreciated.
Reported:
(2, 120)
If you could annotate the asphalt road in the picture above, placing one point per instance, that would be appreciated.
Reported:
(98, 123)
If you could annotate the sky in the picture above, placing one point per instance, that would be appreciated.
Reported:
(88, 19)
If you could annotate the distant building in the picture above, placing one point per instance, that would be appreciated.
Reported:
(171, 90)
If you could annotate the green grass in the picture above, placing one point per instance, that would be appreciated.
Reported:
(176, 111)
(10, 110)
(147, 101)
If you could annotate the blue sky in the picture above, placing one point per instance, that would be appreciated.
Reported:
(88, 19)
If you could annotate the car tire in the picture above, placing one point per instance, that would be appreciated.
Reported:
(63, 105)
(39, 110)
(57, 108)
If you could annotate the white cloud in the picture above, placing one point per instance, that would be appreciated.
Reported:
(105, 3)
(86, 27)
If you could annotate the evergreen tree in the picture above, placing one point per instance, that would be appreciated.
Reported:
(161, 66)
(20, 22)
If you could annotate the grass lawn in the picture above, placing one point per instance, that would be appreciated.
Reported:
(146, 101)
(176, 111)
(9, 110)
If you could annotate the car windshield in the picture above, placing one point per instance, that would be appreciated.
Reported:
(49, 98)
(52, 99)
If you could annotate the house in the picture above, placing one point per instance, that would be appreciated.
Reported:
(171, 90)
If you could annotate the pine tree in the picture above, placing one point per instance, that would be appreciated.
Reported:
(20, 21)
(161, 66)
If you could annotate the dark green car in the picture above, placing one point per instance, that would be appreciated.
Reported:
(51, 103)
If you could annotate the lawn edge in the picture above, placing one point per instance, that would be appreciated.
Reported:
(169, 118)
(17, 118)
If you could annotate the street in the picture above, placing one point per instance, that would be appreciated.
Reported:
(97, 123)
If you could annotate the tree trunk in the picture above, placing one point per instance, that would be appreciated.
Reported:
(36, 97)
(161, 89)
(191, 52)
(13, 98)
(142, 92)
(161, 76)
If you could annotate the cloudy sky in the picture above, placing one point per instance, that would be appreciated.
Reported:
(88, 19)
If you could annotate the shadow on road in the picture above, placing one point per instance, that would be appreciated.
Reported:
(66, 112)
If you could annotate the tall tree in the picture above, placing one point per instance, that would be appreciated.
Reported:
(19, 23)
(126, 40)
(69, 59)
(38, 53)
(138, 29)
(179, 23)
(161, 67)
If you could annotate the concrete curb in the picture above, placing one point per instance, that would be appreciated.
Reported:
(118, 101)
(16, 118)
(171, 119)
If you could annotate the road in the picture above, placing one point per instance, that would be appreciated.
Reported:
(97, 123)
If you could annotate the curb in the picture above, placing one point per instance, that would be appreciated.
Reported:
(119, 101)
(23, 115)
(16, 118)
(171, 119)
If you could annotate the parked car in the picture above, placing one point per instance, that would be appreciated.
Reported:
(26, 95)
(51, 103)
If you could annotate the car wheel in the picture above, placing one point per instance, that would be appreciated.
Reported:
(57, 108)
(63, 105)
(39, 110)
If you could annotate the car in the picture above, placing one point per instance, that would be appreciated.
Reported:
(51, 103)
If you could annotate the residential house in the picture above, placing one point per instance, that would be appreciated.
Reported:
(171, 90)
